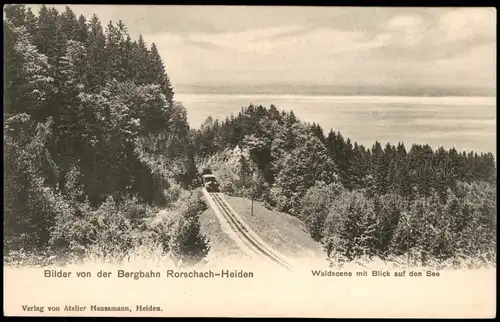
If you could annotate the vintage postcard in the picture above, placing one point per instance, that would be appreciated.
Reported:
(249, 161)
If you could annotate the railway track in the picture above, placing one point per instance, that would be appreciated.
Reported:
(241, 231)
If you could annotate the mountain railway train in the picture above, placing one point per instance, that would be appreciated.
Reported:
(209, 181)
(206, 171)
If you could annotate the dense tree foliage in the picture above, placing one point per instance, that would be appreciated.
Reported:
(90, 124)
(94, 142)
(379, 201)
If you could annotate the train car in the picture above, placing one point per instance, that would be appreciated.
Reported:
(210, 183)
(206, 171)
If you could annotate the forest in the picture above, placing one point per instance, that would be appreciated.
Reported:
(382, 201)
(100, 160)
(94, 143)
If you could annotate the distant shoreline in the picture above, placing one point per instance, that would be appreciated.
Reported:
(335, 91)
(276, 98)
(364, 96)
(327, 94)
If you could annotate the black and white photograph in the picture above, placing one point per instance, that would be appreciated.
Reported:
(339, 144)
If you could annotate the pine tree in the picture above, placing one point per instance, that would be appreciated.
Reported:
(69, 26)
(379, 167)
(96, 67)
(143, 69)
(402, 185)
(49, 39)
(125, 66)
(113, 52)
(82, 33)
(31, 24)
(331, 140)
(16, 14)
(28, 82)
(357, 167)
(160, 75)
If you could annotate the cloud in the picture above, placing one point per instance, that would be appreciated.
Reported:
(403, 21)
(335, 45)
(265, 54)
(404, 30)
(293, 54)
(469, 23)
(442, 36)
(260, 39)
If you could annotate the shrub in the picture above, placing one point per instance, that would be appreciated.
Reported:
(178, 229)
(187, 244)
(388, 209)
(105, 231)
(299, 169)
(316, 205)
(172, 193)
(135, 210)
(350, 227)
(28, 209)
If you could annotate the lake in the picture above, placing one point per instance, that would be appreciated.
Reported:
(466, 123)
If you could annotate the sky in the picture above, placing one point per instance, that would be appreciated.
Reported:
(250, 45)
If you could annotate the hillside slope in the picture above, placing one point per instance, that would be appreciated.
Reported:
(285, 233)
(281, 231)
